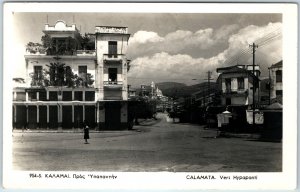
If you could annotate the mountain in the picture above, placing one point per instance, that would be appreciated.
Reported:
(169, 85)
(173, 89)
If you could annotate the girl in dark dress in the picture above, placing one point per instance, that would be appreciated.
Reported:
(86, 132)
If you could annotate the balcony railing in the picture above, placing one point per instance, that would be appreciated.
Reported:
(86, 52)
(113, 84)
(113, 57)
(64, 52)
(236, 91)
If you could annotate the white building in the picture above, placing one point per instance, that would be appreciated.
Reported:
(236, 84)
(100, 94)
(276, 82)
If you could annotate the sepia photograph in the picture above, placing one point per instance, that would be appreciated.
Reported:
(194, 93)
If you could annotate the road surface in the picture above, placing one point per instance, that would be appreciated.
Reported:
(155, 145)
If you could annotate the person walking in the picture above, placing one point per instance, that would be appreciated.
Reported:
(86, 131)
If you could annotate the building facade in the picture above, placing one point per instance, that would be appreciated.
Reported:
(276, 82)
(66, 83)
(236, 84)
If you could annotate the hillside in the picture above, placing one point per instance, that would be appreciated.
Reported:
(168, 85)
(173, 89)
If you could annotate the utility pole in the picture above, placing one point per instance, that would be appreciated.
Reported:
(253, 86)
(269, 85)
(208, 93)
(208, 83)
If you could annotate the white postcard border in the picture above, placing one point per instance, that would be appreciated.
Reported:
(162, 180)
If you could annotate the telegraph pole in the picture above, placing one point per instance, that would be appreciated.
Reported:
(208, 91)
(253, 71)
(208, 82)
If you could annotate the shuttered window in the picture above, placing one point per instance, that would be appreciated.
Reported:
(112, 48)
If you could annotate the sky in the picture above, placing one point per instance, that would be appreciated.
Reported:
(166, 47)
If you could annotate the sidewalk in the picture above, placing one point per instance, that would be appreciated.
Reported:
(74, 130)
(142, 122)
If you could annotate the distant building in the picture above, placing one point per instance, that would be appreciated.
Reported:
(131, 92)
(151, 91)
(205, 96)
(276, 82)
(236, 84)
(100, 66)
(264, 92)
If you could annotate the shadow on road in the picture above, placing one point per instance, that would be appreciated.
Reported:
(150, 122)
(265, 140)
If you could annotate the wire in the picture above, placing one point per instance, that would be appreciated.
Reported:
(159, 78)
(261, 41)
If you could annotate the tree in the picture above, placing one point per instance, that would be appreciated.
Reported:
(85, 81)
(39, 79)
(54, 46)
(58, 74)
(34, 47)
(87, 42)
(47, 41)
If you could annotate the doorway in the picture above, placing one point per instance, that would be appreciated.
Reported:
(112, 115)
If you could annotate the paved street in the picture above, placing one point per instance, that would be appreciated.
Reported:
(155, 145)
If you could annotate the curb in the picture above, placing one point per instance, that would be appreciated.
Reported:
(69, 131)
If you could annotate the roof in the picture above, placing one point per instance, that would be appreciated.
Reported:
(276, 65)
(274, 106)
(235, 69)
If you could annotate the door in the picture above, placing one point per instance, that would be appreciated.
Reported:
(21, 117)
(67, 117)
(78, 116)
(43, 116)
(32, 117)
(53, 117)
(112, 115)
(90, 113)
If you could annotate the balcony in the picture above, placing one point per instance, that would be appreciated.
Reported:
(113, 84)
(85, 52)
(113, 58)
(236, 92)
(111, 29)
(63, 52)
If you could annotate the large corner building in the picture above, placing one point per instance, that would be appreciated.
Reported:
(102, 102)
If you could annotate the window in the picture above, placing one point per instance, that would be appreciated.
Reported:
(53, 96)
(21, 96)
(68, 73)
(278, 76)
(43, 96)
(60, 45)
(240, 81)
(78, 95)
(268, 86)
(82, 73)
(52, 74)
(112, 75)
(112, 49)
(90, 95)
(38, 75)
(32, 96)
(279, 92)
(228, 101)
(67, 96)
(228, 85)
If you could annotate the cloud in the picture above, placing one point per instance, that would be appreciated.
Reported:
(143, 37)
(198, 43)
(165, 67)
(170, 59)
